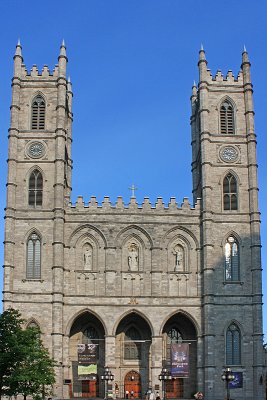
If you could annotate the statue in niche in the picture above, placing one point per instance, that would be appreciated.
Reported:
(87, 257)
(178, 251)
(133, 257)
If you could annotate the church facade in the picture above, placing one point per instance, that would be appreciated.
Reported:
(146, 287)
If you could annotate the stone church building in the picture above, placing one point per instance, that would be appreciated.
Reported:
(137, 279)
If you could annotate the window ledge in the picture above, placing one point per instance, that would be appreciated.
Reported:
(233, 282)
(180, 272)
(33, 280)
(235, 366)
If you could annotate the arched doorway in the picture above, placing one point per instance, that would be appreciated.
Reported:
(132, 384)
(180, 332)
(133, 359)
(87, 332)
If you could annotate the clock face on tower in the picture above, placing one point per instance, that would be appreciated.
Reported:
(36, 150)
(229, 154)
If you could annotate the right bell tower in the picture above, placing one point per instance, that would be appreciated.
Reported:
(224, 169)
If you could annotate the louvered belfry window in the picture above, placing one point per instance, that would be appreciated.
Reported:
(231, 259)
(34, 257)
(36, 188)
(230, 192)
(233, 345)
(227, 118)
(38, 113)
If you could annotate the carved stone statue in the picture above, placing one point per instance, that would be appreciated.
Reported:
(87, 258)
(179, 258)
(133, 259)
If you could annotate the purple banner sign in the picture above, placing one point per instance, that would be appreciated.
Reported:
(237, 382)
(180, 360)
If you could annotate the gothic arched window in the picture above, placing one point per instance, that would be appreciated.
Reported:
(227, 118)
(231, 259)
(132, 344)
(230, 192)
(173, 336)
(33, 269)
(38, 113)
(35, 188)
(33, 324)
(233, 345)
(91, 334)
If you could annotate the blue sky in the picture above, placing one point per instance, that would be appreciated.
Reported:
(132, 64)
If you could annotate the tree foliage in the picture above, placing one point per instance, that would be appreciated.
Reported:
(25, 365)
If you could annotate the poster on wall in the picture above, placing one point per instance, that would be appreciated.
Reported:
(87, 353)
(87, 372)
(87, 361)
(237, 382)
(180, 360)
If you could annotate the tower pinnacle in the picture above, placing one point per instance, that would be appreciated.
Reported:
(245, 66)
(194, 89)
(202, 63)
(18, 60)
(62, 59)
(63, 49)
(245, 56)
(202, 55)
(18, 50)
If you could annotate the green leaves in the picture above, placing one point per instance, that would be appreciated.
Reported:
(25, 365)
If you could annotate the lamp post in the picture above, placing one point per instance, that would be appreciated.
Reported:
(108, 376)
(227, 377)
(164, 376)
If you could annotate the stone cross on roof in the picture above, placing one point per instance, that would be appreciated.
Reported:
(133, 188)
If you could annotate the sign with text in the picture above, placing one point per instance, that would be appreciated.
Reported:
(87, 367)
(87, 353)
(180, 360)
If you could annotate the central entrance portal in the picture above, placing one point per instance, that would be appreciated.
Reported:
(90, 388)
(133, 342)
(132, 385)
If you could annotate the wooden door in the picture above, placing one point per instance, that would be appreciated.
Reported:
(175, 388)
(90, 388)
(132, 384)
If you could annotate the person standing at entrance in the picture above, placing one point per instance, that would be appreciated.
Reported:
(152, 396)
(126, 394)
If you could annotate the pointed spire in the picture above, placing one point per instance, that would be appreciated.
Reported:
(18, 49)
(194, 92)
(18, 60)
(202, 63)
(62, 60)
(63, 49)
(245, 66)
(245, 56)
(202, 55)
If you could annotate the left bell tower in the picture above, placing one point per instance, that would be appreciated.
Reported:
(38, 187)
